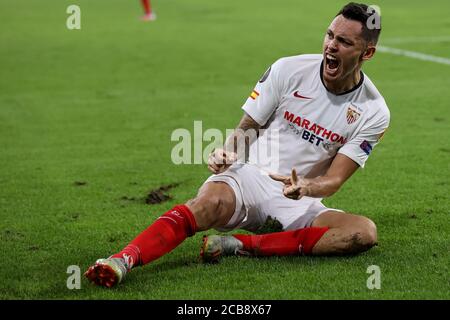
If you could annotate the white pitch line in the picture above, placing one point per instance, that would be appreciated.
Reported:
(413, 54)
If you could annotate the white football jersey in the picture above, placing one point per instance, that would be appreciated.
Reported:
(305, 125)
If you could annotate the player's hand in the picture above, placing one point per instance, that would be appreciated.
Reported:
(294, 187)
(220, 160)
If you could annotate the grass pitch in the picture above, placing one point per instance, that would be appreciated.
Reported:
(86, 118)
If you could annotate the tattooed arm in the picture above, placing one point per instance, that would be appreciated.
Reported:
(235, 147)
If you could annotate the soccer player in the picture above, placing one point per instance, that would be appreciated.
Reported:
(328, 116)
(149, 14)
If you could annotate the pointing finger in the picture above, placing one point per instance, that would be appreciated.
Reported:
(281, 178)
(294, 177)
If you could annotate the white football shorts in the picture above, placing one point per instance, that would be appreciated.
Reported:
(258, 196)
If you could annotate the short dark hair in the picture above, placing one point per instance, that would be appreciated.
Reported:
(359, 12)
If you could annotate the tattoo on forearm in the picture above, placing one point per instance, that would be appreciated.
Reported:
(248, 123)
(243, 136)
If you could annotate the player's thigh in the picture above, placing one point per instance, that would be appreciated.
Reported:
(343, 220)
(252, 190)
(213, 206)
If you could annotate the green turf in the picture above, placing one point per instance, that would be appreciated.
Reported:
(98, 105)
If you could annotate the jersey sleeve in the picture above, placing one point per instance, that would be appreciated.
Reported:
(265, 97)
(361, 145)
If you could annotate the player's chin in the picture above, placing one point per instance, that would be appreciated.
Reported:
(332, 74)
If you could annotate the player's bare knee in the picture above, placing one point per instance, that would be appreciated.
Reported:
(204, 210)
(372, 233)
(369, 232)
(362, 239)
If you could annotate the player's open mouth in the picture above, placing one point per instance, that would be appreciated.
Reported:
(331, 64)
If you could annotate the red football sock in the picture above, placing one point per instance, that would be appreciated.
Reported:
(285, 243)
(166, 233)
(147, 7)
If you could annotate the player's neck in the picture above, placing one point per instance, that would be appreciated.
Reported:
(340, 86)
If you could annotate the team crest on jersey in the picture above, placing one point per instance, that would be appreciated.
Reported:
(352, 114)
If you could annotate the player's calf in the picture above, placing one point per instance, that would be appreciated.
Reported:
(350, 235)
(166, 233)
(213, 207)
(285, 243)
(359, 242)
(362, 239)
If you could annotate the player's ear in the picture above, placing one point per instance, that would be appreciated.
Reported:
(369, 52)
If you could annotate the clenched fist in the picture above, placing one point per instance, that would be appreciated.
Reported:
(220, 160)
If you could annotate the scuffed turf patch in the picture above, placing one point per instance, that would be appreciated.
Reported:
(157, 196)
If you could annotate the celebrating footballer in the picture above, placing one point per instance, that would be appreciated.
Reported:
(328, 117)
